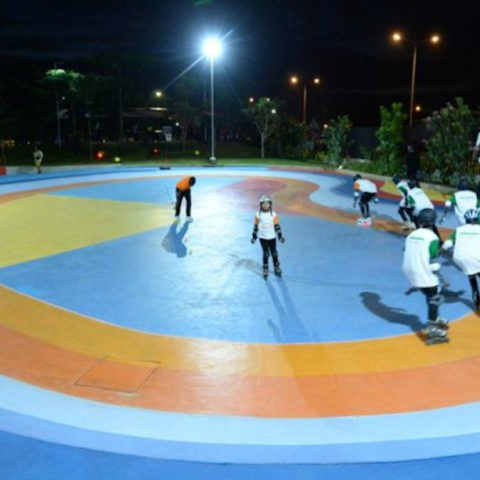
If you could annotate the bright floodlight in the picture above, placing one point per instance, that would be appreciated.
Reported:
(212, 48)
(397, 37)
(435, 39)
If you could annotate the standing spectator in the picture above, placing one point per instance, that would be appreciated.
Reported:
(38, 158)
(412, 162)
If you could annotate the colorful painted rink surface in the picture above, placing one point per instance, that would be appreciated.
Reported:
(132, 345)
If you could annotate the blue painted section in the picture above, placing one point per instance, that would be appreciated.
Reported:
(157, 190)
(169, 280)
(218, 438)
(29, 459)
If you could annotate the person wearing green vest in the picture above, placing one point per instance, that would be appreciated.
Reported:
(422, 248)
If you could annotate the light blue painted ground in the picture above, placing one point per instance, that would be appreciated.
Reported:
(27, 459)
(174, 277)
(364, 274)
(203, 280)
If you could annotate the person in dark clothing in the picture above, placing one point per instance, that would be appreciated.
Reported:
(412, 162)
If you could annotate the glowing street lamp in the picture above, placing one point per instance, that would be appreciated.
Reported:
(212, 49)
(251, 100)
(294, 80)
(397, 37)
(158, 94)
(418, 108)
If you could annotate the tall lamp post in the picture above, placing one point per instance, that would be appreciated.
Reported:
(397, 37)
(294, 80)
(212, 48)
(55, 72)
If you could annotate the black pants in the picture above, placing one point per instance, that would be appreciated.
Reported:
(180, 195)
(404, 212)
(365, 199)
(269, 247)
(473, 282)
(434, 299)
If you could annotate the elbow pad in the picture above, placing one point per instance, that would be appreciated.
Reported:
(434, 267)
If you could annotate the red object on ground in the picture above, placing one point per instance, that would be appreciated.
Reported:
(3, 170)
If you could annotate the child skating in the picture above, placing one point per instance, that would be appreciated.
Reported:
(366, 191)
(405, 211)
(418, 201)
(462, 200)
(422, 247)
(465, 241)
(266, 227)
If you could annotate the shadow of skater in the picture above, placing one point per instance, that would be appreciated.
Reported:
(449, 296)
(373, 302)
(173, 240)
(291, 328)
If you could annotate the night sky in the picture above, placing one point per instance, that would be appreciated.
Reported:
(345, 43)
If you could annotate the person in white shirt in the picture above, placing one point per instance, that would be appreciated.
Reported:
(465, 241)
(366, 191)
(417, 200)
(462, 200)
(405, 212)
(422, 247)
(37, 159)
(266, 226)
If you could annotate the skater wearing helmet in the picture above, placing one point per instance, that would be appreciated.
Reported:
(266, 226)
(405, 212)
(466, 252)
(422, 246)
(182, 189)
(462, 200)
(417, 200)
(366, 191)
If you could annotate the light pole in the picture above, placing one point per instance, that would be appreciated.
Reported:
(397, 37)
(212, 48)
(53, 73)
(294, 80)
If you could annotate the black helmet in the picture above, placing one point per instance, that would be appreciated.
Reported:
(412, 184)
(396, 179)
(356, 177)
(463, 184)
(192, 181)
(427, 217)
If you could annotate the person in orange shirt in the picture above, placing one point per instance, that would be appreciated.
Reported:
(183, 190)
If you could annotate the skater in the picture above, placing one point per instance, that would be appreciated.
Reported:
(182, 189)
(465, 241)
(462, 200)
(422, 246)
(37, 159)
(405, 212)
(367, 191)
(266, 225)
(417, 200)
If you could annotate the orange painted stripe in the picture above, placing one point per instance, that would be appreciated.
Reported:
(47, 323)
(53, 368)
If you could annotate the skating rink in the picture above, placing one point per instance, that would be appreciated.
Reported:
(134, 347)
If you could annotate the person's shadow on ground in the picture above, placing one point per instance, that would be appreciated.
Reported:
(173, 240)
(291, 327)
(449, 296)
(373, 303)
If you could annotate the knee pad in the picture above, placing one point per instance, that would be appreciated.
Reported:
(436, 300)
